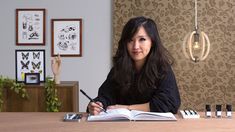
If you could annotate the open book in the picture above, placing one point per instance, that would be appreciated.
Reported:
(125, 114)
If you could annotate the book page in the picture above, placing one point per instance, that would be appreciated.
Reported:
(112, 114)
(141, 115)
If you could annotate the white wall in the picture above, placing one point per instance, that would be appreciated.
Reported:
(91, 69)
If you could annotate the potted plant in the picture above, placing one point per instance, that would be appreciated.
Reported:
(52, 102)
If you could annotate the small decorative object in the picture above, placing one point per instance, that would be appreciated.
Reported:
(189, 114)
(208, 111)
(72, 117)
(66, 37)
(30, 61)
(228, 110)
(56, 68)
(30, 26)
(218, 111)
(32, 78)
(197, 49)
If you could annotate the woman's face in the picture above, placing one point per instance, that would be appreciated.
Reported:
(139, 46)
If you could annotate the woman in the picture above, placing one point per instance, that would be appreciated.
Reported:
(141, 77)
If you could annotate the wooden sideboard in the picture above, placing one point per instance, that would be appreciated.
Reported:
(67, 94)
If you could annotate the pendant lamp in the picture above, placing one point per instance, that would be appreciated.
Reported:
(196, 44)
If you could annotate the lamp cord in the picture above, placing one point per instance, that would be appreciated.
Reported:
(196, 27)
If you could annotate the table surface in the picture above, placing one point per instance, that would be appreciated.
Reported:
(53, 122)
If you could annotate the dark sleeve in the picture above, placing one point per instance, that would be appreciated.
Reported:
(106, 94)
(166, 97)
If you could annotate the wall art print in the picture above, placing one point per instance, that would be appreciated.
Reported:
(30, 26)
(30, 61)
(66, 37)
(32, 78)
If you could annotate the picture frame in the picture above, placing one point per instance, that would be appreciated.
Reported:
(30, 61)
(32, 78)
(30, 27)
(66, 37)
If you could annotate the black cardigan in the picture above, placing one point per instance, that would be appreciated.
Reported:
(164, 98)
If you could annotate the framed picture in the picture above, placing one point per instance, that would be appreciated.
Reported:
(32, 78)
(66, 37)
(30, 61)
(30, 26)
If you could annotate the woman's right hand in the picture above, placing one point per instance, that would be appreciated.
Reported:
(94, 107)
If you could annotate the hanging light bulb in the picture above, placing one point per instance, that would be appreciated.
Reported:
(196, 41)
(198, 49)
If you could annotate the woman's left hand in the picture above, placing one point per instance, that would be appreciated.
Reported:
(118, 106)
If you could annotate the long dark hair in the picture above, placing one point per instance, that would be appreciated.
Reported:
(155, 67)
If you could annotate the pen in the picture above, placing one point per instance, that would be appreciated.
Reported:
(91, 100)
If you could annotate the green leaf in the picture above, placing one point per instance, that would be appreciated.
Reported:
(52, 101)
(17, 91)
(12, 85)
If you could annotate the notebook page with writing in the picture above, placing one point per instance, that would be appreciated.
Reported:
(111, 115)
(135, 115)
(151, 116)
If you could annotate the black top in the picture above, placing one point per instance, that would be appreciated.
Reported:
(164, 98)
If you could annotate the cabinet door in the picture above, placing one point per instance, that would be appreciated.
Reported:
(14, 103)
